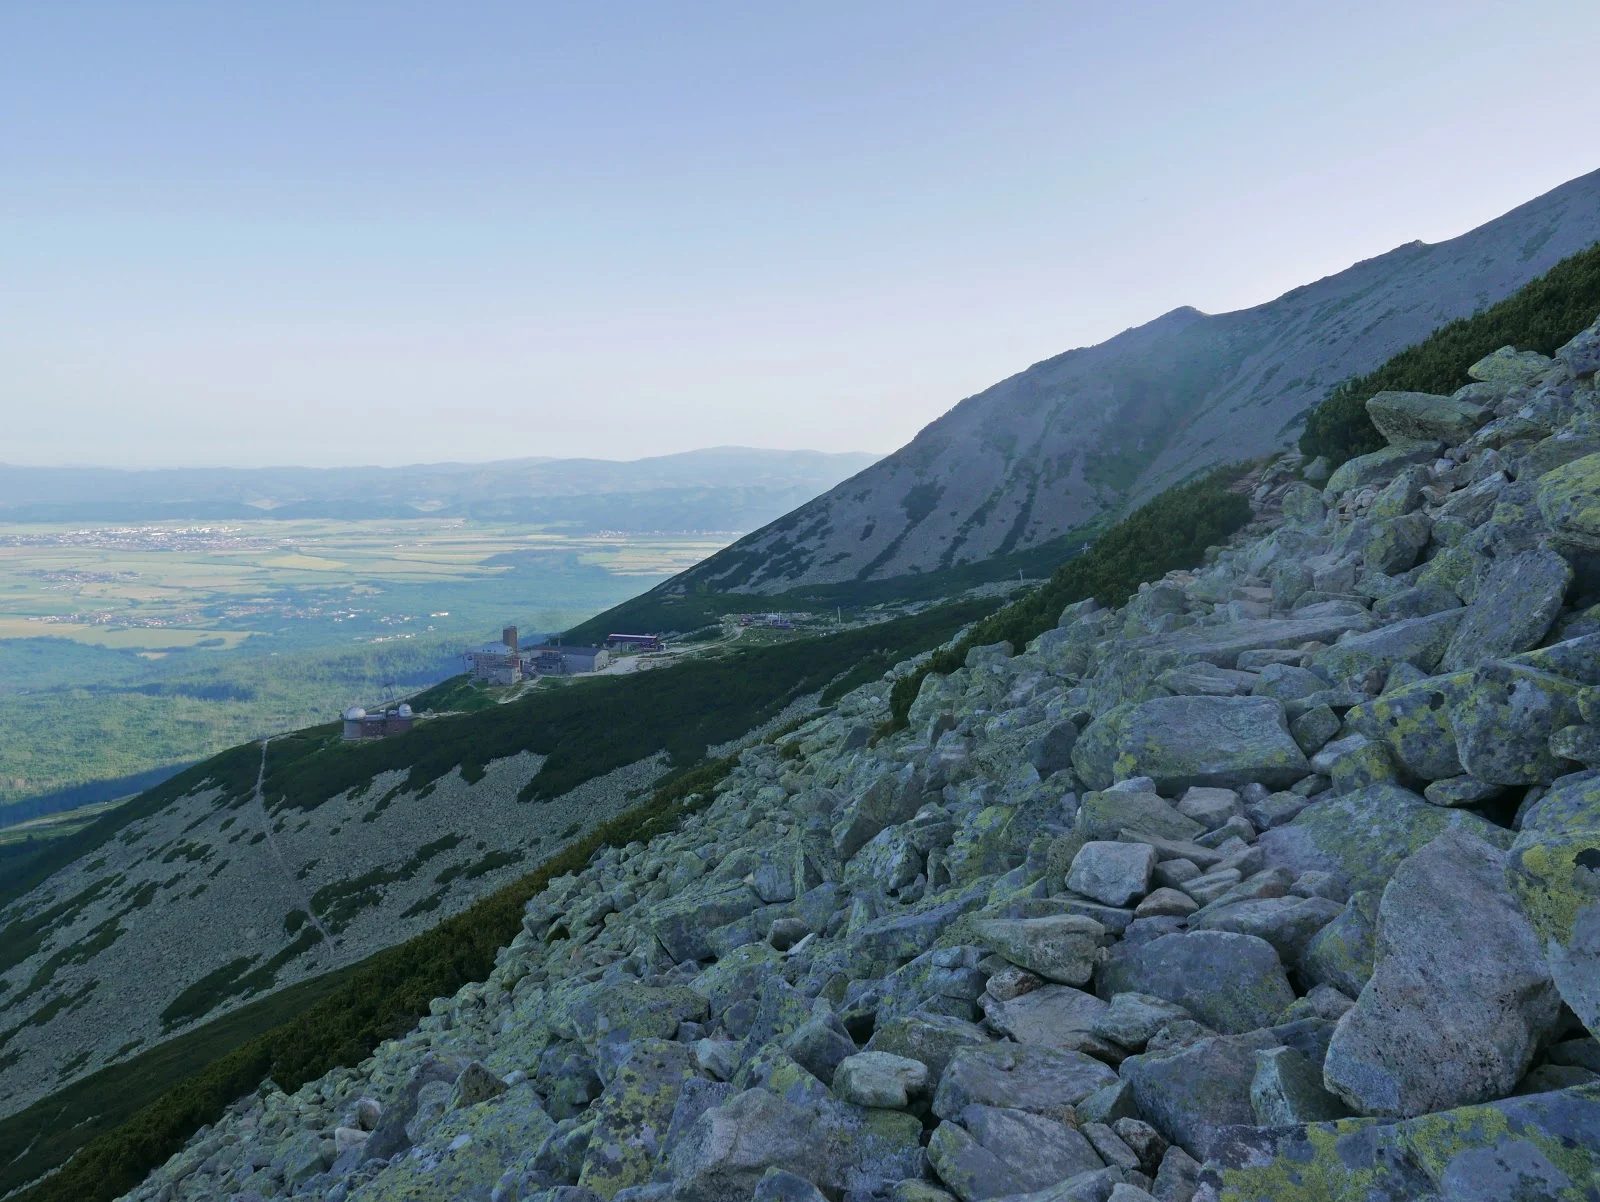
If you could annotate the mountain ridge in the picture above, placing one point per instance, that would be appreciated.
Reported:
(1094, 429)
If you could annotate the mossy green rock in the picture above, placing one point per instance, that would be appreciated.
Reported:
(1504, 720)
(1414, 722)
(1569, 499)
(1554, 872)
(1405, 417)
(465, 1154)
(1378, 467)
(1543, 1147)
(1415, 641)
(632, 1115)
(623, 1012)
(1362, 837)
(1102, 814)
(684, 924)
(1186, 741)
(1513, 608)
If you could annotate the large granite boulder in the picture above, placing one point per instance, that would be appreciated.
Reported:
(1020, 1076)
(1504, 720)
(1362, 837)
(1228, 981)
(1404, 417)
(1182, 741)
(1554, 871)
(1191, 1095)
(1512, 610)
(1460, 997)
(1060, 947)
(1419, 642)
(1569, 499)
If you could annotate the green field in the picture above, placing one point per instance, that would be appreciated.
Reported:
(124, 648)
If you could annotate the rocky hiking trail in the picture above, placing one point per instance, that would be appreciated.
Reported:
(1280, 882)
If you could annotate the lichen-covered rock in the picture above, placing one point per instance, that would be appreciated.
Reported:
(632, 1115)
(1503, 723)
(879, 1079)
(465, 1154)
(1103, 815)
(1194, 1093)
(1341, 953)
(1183, 741)
(1059, 948)
(1460, 998)
(1405, 417)
(1362, 837)
(1228, 981)
(1419, 642)
(1287, 1090)
(1554, 871)
(1379, 466)
(1287, 923)
(1513, 608)
(1413, 721)
(1569, 499)
(1544, 1146)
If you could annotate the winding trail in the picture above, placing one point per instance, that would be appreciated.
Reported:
(289, 881)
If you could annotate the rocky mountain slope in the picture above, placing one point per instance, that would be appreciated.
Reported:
(1042, 453)
(1280, 882)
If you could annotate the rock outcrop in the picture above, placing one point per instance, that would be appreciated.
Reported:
(1282, 881)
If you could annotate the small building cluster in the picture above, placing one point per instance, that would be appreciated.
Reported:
(506, 662)
(358, 724)
(633, 642)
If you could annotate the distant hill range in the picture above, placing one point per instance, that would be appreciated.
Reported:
(720, 488)
(1020, 466)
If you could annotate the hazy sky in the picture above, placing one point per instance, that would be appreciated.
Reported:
(383, 233)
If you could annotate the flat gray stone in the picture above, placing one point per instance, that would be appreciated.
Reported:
(1416, 641)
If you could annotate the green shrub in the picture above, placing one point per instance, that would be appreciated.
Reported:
(1540, 316)
(1172, 531)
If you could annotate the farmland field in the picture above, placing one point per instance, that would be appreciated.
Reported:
(125, 648)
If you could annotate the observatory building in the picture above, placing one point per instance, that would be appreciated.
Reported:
(358, 724)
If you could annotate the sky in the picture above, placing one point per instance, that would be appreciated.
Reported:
(324, 234)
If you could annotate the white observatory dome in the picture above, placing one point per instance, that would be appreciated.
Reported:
(405, 710)
(354, 714)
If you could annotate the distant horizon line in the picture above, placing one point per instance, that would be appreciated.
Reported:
(434, 463)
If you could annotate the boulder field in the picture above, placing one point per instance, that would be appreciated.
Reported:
(1282, 881)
